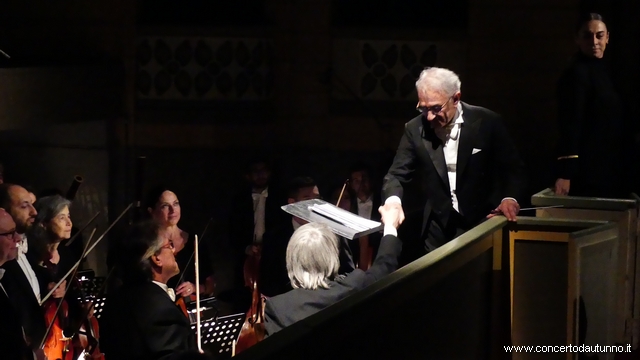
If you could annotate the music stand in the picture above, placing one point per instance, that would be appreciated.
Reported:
(219, 334)
(98, 306)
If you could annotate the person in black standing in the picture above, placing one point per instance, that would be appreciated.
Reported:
(592, 155)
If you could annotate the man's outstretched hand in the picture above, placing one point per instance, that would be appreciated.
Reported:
(392, 214)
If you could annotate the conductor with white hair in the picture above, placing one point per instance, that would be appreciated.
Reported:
(313, 261)
(470, 164)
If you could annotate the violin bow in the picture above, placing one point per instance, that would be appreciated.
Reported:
(75, 271)
(82, 229)
(342, 192)
(197, 265)
(192, 254)
(77, 264)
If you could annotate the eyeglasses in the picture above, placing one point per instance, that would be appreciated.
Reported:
(9, 233)
(168, 245)
(435, 109)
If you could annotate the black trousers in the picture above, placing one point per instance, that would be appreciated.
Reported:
(437, 233)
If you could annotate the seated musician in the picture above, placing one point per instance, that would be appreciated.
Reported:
(312, 265)
(51, 227)
(20, 279)
(13, 344)
(69, 254)
(164, 207)
(141, 320)
(273, 279)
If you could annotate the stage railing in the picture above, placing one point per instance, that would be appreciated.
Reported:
(499, 284)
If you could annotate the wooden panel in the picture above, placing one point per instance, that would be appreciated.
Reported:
(625, 213)
(592, 284)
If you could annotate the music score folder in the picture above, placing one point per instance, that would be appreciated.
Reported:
(341, 222)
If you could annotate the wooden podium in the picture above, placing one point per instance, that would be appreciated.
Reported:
(497, 285)
(625, 213)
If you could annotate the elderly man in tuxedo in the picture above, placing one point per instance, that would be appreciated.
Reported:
(471, 167)
(141, 320)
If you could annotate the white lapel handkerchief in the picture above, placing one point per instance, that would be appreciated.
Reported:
(475, 151)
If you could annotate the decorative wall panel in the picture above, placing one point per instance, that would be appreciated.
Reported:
(179, 68)
(386, 70)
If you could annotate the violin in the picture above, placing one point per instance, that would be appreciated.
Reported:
(86, 340)
(56, 314)
(182, 301)
(252, 330)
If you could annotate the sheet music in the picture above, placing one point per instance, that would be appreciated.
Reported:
(345, 217)
(341, 222)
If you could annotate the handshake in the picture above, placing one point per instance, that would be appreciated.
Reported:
(392, 214)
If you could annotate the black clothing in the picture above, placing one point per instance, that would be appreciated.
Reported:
(182, 258)
(141, 322)
(295, 305)
(593, 144)
(488, 169)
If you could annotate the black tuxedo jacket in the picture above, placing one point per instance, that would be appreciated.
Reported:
(488, 166)
(295, 305)
(24, 301)
(141, 322)
(241, 222)
(374, 239)
(12, 343)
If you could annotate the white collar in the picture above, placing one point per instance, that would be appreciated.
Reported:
(369, 199)
(167, 289)
(264, 192)
(451, 131)
(23, 245)
(2, 273)
(296, 225)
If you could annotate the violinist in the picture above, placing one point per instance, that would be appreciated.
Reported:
(164, 207)
(312, 265)
(20, 279)
(69, 254)
(141, 319)
(53, 225)
(13, 345)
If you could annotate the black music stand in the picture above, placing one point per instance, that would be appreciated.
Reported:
(98, 306)
(219, 334)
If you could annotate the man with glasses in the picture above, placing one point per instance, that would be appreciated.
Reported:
(13, 345)
(141, 319)
(471, 167)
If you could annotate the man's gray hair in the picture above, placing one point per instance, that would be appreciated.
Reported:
(313, 257)
(438, 80)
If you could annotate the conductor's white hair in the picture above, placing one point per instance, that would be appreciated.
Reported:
(312, 257)
(438, 80)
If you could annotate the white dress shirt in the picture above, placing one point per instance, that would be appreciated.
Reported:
(23, 248)
(450, 136)
(365, 207)
(167, 289)
(259, 202)
(296, 225)
(2, 287)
